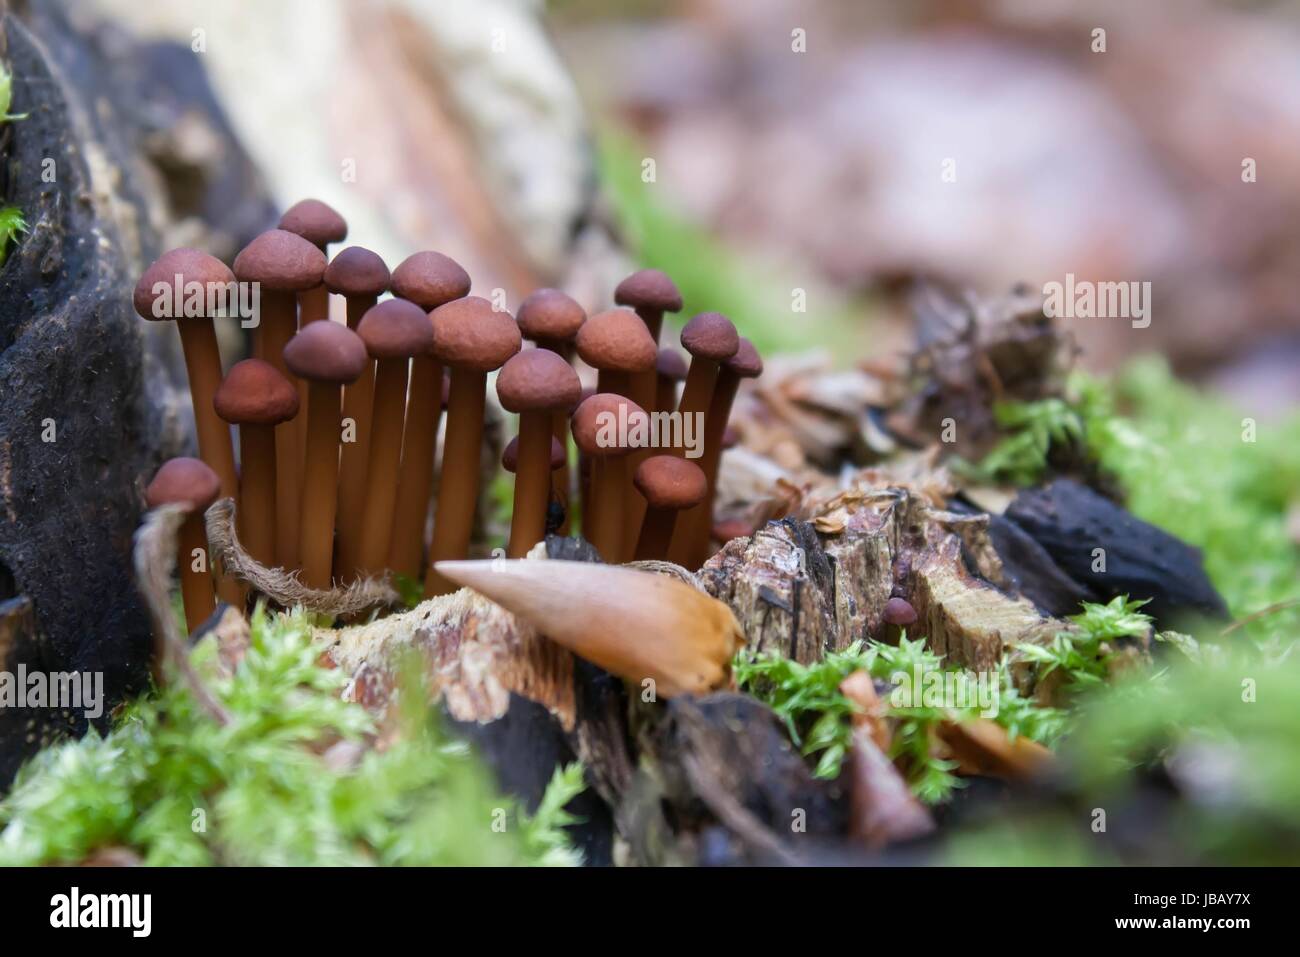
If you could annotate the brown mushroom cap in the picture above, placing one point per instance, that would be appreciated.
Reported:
(396, 329)
(356, 271)
(670, 482)
(470, 334)
(746, 363)
(710, 335)
(318, 223)
(617, 340)
(536, 381)
(281, 261)
(591, 423)
(191, 265)
(549, 314)
(326, 352)
(899, 611)
(671, 365)
(183, 481)
(255, 393)
(510, 456)
(430, 279)
(648, 289)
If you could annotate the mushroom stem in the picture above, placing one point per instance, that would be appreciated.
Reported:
(320, 485)
(608, 478)
(698, 390)
(560, 481)
(385, 457)
(358, 401)
(203, 367)
(532, 483)
(276, 329)
(196, 587)
(656, 534)
(257, 491)
(690, 543)
(458, 482)
(415, 477)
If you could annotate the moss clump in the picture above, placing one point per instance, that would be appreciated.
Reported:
(179, 788)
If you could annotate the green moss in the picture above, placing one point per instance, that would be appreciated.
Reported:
(178, 787)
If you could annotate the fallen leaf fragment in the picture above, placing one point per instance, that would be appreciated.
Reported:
(634, 624)
(882, 809)
(982, 746)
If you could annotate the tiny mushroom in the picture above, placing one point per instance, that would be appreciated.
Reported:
(429, 280)
(899, 612)
(191, 484)
(394, 331)
(598, 431)
(670, 485)
(319, 224)
(650, 293)
(360, 276)
(472, 339)
(282, 264)
(166, 282)
(256, 397)
(510, 455)
(552, 319)
(691, 542)
(537, 384)
(326, 355)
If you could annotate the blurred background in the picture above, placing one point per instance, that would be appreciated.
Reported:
(755, 148)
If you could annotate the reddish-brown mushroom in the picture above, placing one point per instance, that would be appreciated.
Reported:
(360, 276)
(394, 331)
(319, 224)
(600, 425)
(537, 384)
(257, 398)
(170, 280)
(650, 293)
(472, 339)
(709, 338)
(189, 483)
(282, 264)
(510, 455)
(691, 543)
(616, 344)
(669, 485)
(325, 355)
(429, 280)
(552, 319)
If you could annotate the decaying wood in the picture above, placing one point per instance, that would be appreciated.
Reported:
(726, 758)
(804, 588)
(477, 654)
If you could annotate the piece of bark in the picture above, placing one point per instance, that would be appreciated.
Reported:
(1070, 521)
(726, 758)
(89, 390)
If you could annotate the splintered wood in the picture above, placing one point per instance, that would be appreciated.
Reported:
(817, 582)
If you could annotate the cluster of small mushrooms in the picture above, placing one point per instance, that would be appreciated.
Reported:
(337, 423)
